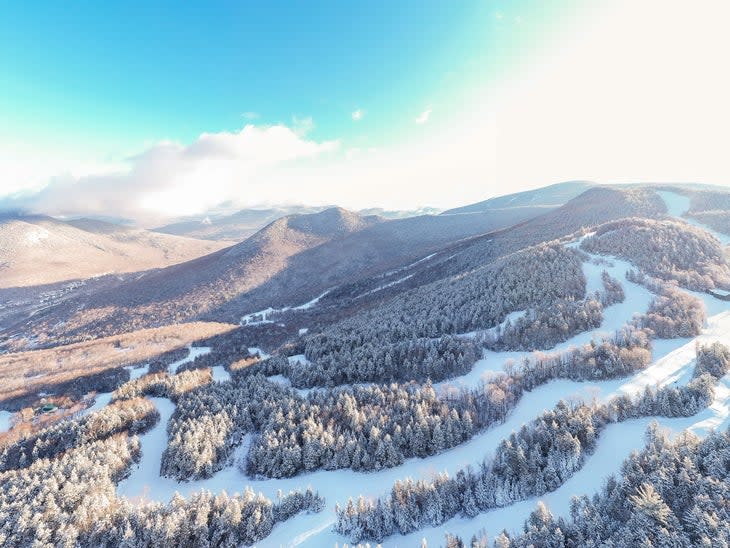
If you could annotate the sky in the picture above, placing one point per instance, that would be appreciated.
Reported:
(154, 110)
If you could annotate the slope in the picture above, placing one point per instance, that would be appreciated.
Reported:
(41, 250)
(540, 200)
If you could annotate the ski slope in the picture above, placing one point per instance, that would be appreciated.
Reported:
(672, 363)
(678, 205)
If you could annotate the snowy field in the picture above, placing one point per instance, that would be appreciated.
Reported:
(5, 417)
(673, 363)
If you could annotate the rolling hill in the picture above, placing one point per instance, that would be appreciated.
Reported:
(41, 250)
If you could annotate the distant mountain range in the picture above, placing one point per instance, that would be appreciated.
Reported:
(289, 261)
(39, 250)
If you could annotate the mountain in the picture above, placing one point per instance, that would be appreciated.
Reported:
(288, 262)
(529, 359)
(540, 200)
(40, 250)
(235, 226)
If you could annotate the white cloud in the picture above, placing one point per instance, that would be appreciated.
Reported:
(641, 107)
(170, 179)
(303, 126)
(250, 115)
(423, 117)
(358, 114)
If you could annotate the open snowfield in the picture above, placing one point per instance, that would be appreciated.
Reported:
(5, 417)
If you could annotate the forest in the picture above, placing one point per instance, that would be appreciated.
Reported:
(672, 493)
(669, 250)
(536, 459)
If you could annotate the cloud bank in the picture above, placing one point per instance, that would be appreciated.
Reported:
(634, 92)
(170, 179)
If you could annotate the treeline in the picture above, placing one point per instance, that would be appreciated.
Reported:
(134, 416)
(476, 300)
(623, 353)
(537, 459)
(71, 501)
(229, 349)
(532, 461)
(672, 493)
(613, 291)
(546, 325)
(672, 313)
(435, 359)
(551, 323)
(363, 427)
(668, 250)
(163, 385)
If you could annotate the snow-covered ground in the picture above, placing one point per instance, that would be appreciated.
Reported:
(137, 372)
(262, 316)
(678, 205)
(5, 417)
(193, 352)
(512, 317)
(100, 400)
(220, 374)
(253, 350)
(673, 363)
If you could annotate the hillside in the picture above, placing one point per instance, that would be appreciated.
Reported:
(231, 227)
(42, 250)
(425, 376)
(539, 200)
(290, 261)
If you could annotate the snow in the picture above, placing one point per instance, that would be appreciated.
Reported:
(303, 331)
(615, 317)
(253, 350)
(193, 352)
(5, 417)
(298, 359)
(310, 304)
(220, 374)
(35, 236)
(147, 473)
(137, 372)
(36, 376)
(673, 363)
(386, 286)
(678, 205)
(511, 318)
(262, 316)
(259, 318)
(408, 266)
(615, 444)
(100, 400)
(284, 381)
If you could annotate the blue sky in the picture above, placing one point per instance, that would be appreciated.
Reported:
(135, 72)
(90, 90)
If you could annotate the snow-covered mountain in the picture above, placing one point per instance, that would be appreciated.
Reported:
(436, 379)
